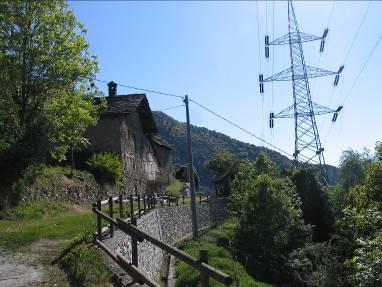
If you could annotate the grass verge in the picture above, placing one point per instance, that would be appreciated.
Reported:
(217, 240)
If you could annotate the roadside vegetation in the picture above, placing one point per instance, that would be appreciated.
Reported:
(68, 227)
(218, 241)
(292, 230)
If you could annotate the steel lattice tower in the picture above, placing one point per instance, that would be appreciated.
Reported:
(308, 147)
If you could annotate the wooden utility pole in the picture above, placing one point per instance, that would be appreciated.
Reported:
(191, 172)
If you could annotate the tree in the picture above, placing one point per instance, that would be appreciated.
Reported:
(244, 180)
(44, 59)
(221, 162)
(315, 204)
(352, 168)
(271, 226)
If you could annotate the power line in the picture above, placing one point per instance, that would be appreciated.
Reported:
(141, 89)
(169, 108)
(363, 67)
(244, 130)
(358, 29)
(358, 76)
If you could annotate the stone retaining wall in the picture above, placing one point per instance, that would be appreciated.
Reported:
(168, 224)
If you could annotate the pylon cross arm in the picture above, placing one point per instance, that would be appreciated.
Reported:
(284, 40)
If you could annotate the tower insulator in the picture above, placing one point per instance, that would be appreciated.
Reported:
(337, 77)
(261, 84)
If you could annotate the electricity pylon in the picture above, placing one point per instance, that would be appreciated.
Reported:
(308, 147)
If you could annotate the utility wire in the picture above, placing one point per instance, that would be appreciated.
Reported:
(244, 130)
(169, 108)
(358, 76)
(141, 89)
(363, 67)
(358, 29)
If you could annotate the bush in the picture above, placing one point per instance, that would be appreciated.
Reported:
(106, 167)
(174, 188)
(271, 226)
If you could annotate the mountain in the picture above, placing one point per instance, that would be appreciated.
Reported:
(206, 142)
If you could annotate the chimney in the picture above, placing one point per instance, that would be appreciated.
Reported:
(112, 89)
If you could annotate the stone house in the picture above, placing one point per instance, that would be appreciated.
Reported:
(127, 128)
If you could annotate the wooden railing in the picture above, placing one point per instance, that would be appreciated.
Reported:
(129, 226)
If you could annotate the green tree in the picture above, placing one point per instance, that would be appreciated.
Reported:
(245, 176)
(352, 168)
(315, 204)
(44, 61)
(222, 162)
(271, 226)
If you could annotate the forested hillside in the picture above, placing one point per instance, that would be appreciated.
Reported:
(205, 142)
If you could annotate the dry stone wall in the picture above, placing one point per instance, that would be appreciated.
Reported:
(170, 225)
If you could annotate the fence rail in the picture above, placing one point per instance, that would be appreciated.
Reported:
(129, 226)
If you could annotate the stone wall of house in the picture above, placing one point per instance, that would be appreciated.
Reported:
(171, 225)
(138, 158)
(105, 135)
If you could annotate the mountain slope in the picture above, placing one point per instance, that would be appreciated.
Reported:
(205, 142)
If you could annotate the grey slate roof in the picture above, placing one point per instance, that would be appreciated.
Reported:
(128, 104)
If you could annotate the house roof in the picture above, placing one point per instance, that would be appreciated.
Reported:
(128, 104)
(157, 140)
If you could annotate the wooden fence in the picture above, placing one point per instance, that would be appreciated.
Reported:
(129, 226)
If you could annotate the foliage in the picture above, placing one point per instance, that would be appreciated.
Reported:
(222, 162)
(174, 188)
(352, 168)
(271, 226)
(45, 69)
(85, 267)
(244, 180)
(218, 241)
(70, 116)
(241, 186)
(314, 265)
(106, 167)
(366, 266)
(315, 204)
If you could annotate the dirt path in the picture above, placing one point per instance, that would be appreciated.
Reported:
(31, 266)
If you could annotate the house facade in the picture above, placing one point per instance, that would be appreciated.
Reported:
(127, 128)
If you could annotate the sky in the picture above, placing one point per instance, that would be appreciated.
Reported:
(214, 52)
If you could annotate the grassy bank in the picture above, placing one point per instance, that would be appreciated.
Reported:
(66, 227)
(217, 240)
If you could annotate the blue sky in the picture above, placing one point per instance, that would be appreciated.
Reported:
(210, 51)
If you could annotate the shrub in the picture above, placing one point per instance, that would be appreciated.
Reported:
(106, 167)
(174, 188)
(271, 226)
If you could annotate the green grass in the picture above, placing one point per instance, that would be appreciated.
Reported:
(57, 221)
(84, 267)
(217, 240)
(19, 233)
(36, 209)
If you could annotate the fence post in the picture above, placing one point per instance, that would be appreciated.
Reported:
(177, 200)
(154, 201)
(111, 215)
(131, 206)
(120, 205)
(168, 200)
(200, 198)
(204, 278)
(134, 245)
(144, 203)
(183, 198)
(99, 221)
(139, 206)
